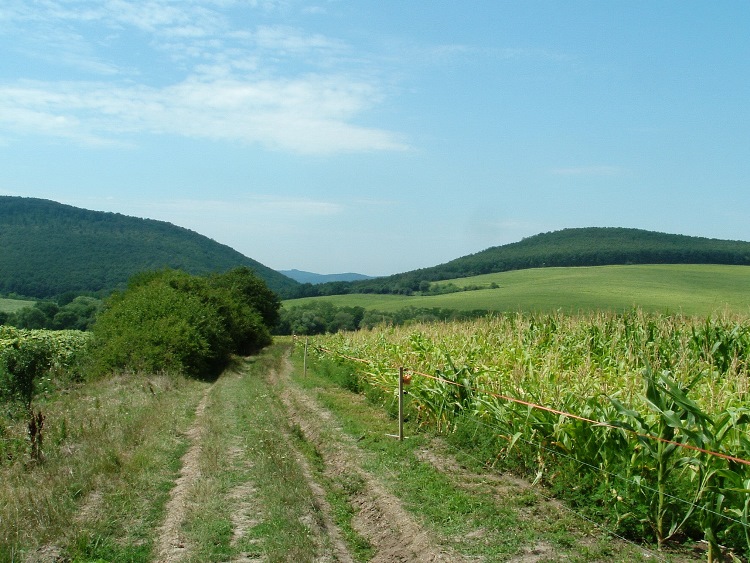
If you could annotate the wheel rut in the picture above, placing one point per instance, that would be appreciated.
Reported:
(379, 515)
(170, 545)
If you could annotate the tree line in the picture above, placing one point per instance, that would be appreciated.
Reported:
(322, 317)
(67, 312)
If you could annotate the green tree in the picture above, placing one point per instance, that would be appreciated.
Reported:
(158, 326)
(31, 317)
(175, 322)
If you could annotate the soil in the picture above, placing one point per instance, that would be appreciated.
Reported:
(170, 545)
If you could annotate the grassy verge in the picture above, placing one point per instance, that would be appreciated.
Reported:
(114, 449)
(479, 514)
(110, 454)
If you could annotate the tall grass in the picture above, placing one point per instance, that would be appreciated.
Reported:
(111, 450)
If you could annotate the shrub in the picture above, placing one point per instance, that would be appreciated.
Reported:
(170, 321)
(157, 326)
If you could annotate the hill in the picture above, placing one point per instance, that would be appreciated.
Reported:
(594, 246)
(314, 279)
(49, 248)
(692, 289)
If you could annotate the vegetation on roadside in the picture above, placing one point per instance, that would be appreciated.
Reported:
(170, 321)
(112, 449)
(471, 509)
(92, 424)
(166, 322)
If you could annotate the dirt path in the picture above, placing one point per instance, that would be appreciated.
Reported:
(333, 467)
(380, 516)
(170, 546)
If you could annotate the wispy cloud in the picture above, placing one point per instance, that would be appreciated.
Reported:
(276, 86)
(306, 115)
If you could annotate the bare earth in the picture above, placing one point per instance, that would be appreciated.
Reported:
(170, 546)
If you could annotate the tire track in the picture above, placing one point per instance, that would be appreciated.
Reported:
(380, 517)
(170, 545)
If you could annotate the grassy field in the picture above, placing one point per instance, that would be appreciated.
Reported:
(13, 305)
(690, 289)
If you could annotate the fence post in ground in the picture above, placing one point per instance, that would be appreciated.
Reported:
(401, 404)
(304, 361)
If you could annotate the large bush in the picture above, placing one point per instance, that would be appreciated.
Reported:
(170, 321)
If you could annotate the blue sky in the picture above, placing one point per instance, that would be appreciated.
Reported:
(381, 136)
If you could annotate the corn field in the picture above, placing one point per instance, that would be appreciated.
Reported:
(644, 416)
(38, 355)
(32, 364)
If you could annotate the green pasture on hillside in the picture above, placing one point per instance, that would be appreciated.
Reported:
(673, 288)
(13, 305)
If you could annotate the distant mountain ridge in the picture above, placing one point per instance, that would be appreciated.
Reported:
(312, 278)
(591, 246)
(49, 248)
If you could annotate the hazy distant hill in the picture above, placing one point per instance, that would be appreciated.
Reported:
(309, 277)
(594, 246)
(47, 248)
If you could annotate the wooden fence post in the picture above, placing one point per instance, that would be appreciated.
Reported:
(401, 404)
(304, 361)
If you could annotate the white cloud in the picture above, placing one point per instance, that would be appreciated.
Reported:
(289, 39)
(305, 115)
(262, 86)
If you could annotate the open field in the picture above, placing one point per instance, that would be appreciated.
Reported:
(699, 290)
(13, 305)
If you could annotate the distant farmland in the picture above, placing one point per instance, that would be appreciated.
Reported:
(671, 288)
(13, 305)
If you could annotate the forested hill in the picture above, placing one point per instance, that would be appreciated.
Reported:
(47, 248)
(595, 246)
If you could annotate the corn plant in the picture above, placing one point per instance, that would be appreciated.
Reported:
(722, 482)
(695, 373)
(674, 418)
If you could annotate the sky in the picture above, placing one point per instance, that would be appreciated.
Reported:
(381, 136)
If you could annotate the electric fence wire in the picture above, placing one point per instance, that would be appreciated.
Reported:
(558, 453)
(647, 551)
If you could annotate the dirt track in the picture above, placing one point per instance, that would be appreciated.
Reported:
(393, 533)
(378, 516)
